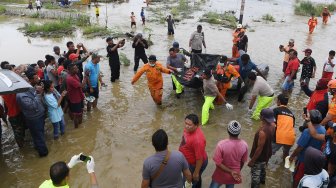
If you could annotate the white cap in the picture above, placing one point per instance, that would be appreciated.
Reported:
(239, 26)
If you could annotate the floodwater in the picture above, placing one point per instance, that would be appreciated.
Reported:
(118, 133)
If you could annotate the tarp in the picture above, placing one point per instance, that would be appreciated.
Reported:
(203, 61)
(10, 82)
(200, 61)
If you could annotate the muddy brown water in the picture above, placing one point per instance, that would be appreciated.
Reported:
(118, 133)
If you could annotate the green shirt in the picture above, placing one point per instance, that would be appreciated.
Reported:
(49, 184)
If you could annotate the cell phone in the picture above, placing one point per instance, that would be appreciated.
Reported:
(305, 110)
(84, 158)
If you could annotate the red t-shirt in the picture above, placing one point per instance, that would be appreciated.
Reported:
(193, 146)
(59, 70)
(293, 64)
(74, 88)
(40, 73)
(11, 104)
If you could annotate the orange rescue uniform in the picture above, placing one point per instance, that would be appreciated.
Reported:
(235, 52)
(312, 24)
(229, 71)
(154, 79)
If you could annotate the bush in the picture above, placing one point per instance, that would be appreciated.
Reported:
(48, 27)
(227, 19)
(268, 17)
(124, 60)
(307, 8)
(2, 9)
(95, 29)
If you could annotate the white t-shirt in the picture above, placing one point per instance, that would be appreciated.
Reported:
(262, 88)
(328, 67)
(320, 180)
(197, 40)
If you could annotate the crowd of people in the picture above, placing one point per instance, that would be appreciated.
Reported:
(64, 83)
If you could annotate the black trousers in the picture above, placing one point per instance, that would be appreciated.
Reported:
(137, 58)
(115, 70)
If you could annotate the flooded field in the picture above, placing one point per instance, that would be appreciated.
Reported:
(118, 133)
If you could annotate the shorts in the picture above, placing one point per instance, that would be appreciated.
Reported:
(143, 19)
(76, 108)
(171, 32)
(133, 23)
(288, 85)
(95, 92)
(276, 147)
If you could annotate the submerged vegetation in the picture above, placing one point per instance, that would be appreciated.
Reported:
(2, 9)
(226, 19)
(124, 60)
(306, 8)
(48, 29)
(268, 18)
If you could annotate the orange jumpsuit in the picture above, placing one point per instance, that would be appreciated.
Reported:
(312, 24)
(229, 71)
(325, 16)
(154, 79)
(235, 53)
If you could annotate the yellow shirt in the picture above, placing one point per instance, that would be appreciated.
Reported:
(97, 10)
(49, 184)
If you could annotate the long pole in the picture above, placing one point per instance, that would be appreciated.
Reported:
(242, 11)
(106, 14)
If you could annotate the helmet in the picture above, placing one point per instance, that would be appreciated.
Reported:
(152, 58)
(239, 26)
(315, 116)
(332, 84)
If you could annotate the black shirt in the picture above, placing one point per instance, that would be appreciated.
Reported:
(242, 44)
(308, 64)
(140, 49)
(79, 64)
(113, 55)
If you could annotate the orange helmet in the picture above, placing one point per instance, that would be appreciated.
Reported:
(332, 84)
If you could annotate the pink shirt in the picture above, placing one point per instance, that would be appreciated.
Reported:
(229, 152)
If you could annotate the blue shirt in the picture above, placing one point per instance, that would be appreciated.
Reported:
(306, 140)
(142, 14)
(93, 70)
(244, 70)
(55, 112)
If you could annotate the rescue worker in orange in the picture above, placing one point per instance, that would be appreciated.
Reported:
(235, 34)
(224, 74)
(325, 15)
(153, 70)
(312, 23)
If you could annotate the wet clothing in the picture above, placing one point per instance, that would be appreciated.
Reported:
(312, 23)
(315, 96)
(231, 153)
(154, 79)
(139, 53)
(177, 62)
(325, 16)
(74, 87)
(235, 41)
(97, 11)
(285, 122)
(197, 40)
(267, 148)
(210, 93)
(328, 70)
(242, 44)
(209, 87)
(93, 70)
(308, 64)
(170, 23)
(171, 174)
(293, 65)
(244, 70)
(258, 174)
(286, 57)
(262, 103)
(114, 62)
(229, 71)
(49, 184)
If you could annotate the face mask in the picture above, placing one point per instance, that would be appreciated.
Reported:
(152, 65)
(221, 64)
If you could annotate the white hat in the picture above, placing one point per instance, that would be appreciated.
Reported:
(234, 127)
(239, 26)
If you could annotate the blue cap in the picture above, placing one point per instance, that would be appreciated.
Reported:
(176, 45)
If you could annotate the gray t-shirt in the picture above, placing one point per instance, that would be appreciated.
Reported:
(262, 88)
(170, 23)
(171, 176)
(51, 76)
(196, 40)
(177, 62)
(209, 87)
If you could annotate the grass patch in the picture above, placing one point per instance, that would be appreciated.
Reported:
(96, 31)
(48, 27)
(124, 60)
(50, 6)
(268, 18)
(227, 19)
(15, 1)
(306, 8)
(2, 9)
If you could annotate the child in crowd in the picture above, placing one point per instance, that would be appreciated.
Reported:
(133, 20)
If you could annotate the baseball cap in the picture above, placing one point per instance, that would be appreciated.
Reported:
(234, 127)
(332, 84)
(268, 115)
(176, 45)
(239, 26)
(95, 55)
(73, 56)
(308, 50)
(152, 58)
